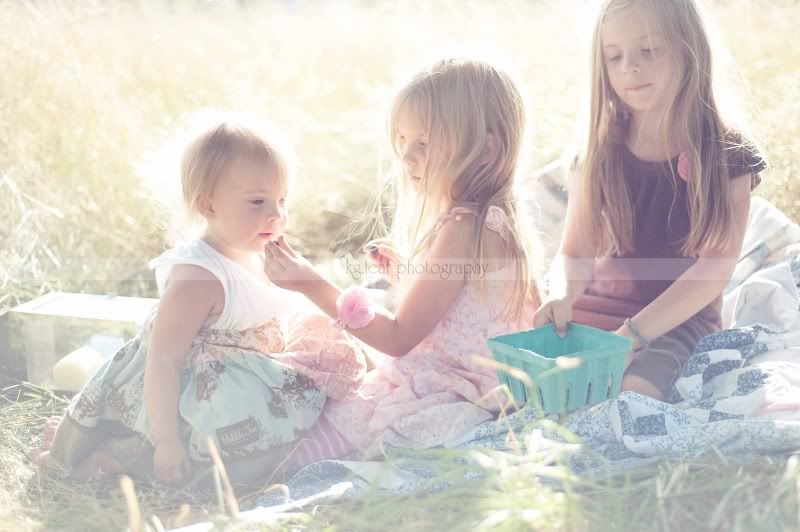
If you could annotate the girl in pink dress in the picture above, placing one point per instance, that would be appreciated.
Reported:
(456, 131)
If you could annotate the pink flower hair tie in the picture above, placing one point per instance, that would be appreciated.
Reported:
(683, 165)
(354, 308)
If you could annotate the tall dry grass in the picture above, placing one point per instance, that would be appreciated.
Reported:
(89, 88)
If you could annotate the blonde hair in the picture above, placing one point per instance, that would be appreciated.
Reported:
(460, 103)
(201, 152)
(693, 116)
(210, 154)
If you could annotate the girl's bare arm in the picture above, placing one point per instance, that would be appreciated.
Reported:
(702, 282)
(428, 298)
(191, 296)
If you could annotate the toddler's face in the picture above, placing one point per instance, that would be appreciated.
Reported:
(641, 69)
(249, 205)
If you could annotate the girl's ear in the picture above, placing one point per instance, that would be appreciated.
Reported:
(490, 149)
(204, 206)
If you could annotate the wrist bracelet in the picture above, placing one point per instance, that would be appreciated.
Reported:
(643, 342)
(354, 309)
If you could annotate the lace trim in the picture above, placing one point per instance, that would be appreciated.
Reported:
(496, 220)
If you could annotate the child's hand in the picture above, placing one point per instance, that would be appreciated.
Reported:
(557, 311)
(624, 331)
(171, 463)
(287, 268)
(386, 257)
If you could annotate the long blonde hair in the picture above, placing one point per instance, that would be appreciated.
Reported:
(460, 103)
(693, 116)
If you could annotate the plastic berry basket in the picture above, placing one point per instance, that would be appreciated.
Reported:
(562, 387)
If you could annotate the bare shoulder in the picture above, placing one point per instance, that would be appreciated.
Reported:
(454, 237)
(457, 235)
(193, 286)
(192, 299)
(190, 272)
(740, 187)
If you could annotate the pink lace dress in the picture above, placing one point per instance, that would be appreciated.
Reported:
(443, 387)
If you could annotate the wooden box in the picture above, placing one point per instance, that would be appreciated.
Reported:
(44, 330)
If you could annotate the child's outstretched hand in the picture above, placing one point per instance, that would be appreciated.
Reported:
(287, 268)
(556, 310)
(387, 258)
(171, 463)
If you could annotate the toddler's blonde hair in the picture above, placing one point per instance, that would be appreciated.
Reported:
(205, 150)
(210, 154)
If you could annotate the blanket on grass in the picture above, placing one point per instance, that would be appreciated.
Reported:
(738, 397)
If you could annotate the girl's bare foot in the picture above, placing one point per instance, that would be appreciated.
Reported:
(40, 456)
(45, 462)
(49, 433)
(99, 463)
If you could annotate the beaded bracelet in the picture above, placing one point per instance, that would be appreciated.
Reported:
(643, 342)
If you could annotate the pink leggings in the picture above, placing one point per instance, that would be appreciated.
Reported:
(321, 442)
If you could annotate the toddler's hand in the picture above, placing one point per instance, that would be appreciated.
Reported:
(557, 311)
(171, 463)
(287, 268)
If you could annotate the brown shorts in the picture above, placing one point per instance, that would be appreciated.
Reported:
(661, 363)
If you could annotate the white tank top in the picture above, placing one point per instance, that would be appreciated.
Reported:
(248, 301)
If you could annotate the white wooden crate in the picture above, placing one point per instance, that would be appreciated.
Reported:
(46, 329)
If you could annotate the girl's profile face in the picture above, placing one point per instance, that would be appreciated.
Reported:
(642, 71)
(411, 145)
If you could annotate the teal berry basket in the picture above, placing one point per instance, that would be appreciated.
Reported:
(590, 372)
